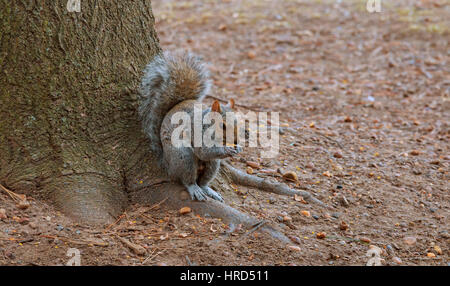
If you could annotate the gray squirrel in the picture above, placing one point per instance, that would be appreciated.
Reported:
(173, 83)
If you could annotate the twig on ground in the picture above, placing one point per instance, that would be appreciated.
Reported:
(157, 204)
(152, 256)
(330, 139)
(116, 222)
(82, 242)
(136, 248)
(189, 261)
(255, 228)
(256, 200)
(253, 108)
(16, 197)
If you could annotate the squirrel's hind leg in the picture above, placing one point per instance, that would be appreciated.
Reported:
(189, 181)
(209, 173)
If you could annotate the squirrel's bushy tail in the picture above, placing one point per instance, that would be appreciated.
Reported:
(168, 80)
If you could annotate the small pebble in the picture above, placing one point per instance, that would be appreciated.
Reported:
(337, 155)
(161, 264)
(336, 215)
(343, 225)
(295, 239)
(410, 240)
(251, 55)
(23, 205)
(444, 234)
(344, 201)
(185, 210)
(389, 248)
(397, 260)
(306, 213)
(23, 220)
(437, 249)
(365, 239)
(3, 214)
(9, 254)
(310, 166)
(254, 165)
(295, 248)
(291, 176)
(321, 235)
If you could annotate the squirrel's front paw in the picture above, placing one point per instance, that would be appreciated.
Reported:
(231, 151)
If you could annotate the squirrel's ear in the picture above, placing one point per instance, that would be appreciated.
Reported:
(231, 103)
(215, 106)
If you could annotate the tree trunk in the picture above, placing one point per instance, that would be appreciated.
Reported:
(69, 130)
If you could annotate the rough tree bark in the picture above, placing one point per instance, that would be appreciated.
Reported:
(69, 128)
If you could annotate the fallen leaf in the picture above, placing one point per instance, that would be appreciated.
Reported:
(290, 176)
(321, 235)
(306, 213)
(299, 198)
(185, 210)
(437, 249)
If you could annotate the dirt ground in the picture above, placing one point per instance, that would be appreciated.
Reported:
(364, 104)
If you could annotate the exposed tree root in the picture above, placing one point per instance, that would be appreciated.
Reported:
(176, 197)
(88, 198)
(266, 185)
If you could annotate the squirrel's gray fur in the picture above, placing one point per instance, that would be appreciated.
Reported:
(168, 80)
(173, 83)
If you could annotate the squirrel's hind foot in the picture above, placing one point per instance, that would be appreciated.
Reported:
(196, 193)
(212, 194)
